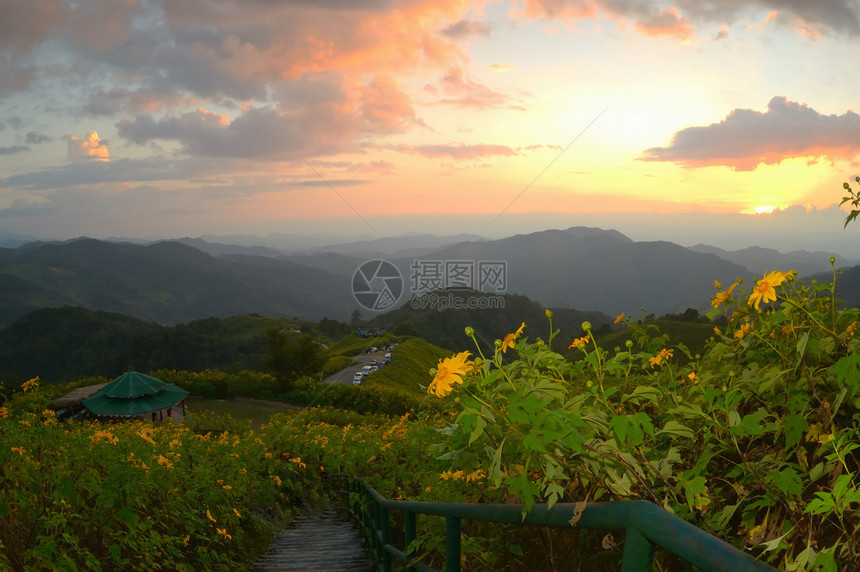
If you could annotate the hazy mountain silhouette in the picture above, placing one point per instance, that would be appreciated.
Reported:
(760, 260)
(603, 270)
(166, 281)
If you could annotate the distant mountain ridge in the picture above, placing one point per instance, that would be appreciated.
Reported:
(167, 282)
(759, 260)
(602, 270)
(587, 269)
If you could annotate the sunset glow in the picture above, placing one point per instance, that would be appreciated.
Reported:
(204, 117)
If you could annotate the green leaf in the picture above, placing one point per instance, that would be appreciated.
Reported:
(47, 549)
(795, 426)
(516, 549)
(480, 424)
(672, 427)
(788, 482)
(847, 371)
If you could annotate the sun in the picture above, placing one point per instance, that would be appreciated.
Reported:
(763, 209)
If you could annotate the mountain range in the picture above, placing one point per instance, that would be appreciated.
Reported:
(587, 269)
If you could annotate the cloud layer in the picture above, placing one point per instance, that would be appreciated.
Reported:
(747, 138)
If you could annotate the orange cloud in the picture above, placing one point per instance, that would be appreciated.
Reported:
(747, 138)
(666, 23)
(88, 148)
(385, 107)
(461, 91)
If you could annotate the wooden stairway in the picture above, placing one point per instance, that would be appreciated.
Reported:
(325, 544)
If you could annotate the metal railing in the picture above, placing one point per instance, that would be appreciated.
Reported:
(646, 524)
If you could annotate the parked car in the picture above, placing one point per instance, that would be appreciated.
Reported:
(365, 371)
(356, 379)
(387, 358)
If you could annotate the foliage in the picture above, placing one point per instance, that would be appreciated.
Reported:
(853, 199)
(221, 384)
(64, 344)
(352, 344)
(291, 359)
(443, 327)
(411, 360)
(754, 440)
(138, 495)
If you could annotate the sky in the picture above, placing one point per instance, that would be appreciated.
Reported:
(728, 122)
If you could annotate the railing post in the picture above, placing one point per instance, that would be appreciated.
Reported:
(452, 544)
(385, 538)
(409, 533)
(638, 552)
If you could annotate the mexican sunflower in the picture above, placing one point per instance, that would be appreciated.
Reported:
(510, 339)
(721, 297)
(450, 371)
(765, 289)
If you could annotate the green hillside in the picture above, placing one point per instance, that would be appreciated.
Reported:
(408, 371)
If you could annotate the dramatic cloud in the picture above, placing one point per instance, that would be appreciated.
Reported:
(747, 138)
(385, 108)
(24, 24)
(665, 23)
(679, 18)
(88, 148)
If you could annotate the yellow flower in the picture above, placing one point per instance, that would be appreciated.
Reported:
(187, 538)
(765, 289)
(30, 384)
(4, 413)
(692, 377)
(164, 461)
(450, 371)
(19, 450)
(722, 297)
(579, 341)
(209, 516)
(619, 318)
(104, 436)
(663, 356)
(236, 512)
(511, 338)
(223, 532)
(227, 488)
(744, 330)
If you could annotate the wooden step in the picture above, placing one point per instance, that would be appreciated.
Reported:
(328, 543)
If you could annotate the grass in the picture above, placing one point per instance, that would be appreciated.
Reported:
(410, 365)
(352, 345)
(253, 412)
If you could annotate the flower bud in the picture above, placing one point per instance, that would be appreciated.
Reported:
(548, 314)
(586, 326)
(832, 260)
(629, 344)
(469, 331)
(589, 384)
(433, 372)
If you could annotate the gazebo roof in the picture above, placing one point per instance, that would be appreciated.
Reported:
(133, 393)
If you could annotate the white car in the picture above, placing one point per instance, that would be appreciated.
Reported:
(356, 379)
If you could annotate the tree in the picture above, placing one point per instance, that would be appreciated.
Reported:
(289, 360)
(355, 317)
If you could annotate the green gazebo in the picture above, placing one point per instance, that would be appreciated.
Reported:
(133, 394)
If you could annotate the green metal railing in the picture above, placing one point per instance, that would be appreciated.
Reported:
(647, 526)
